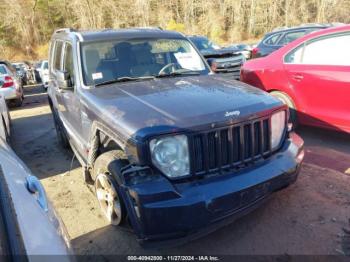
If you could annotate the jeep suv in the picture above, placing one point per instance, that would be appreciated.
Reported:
(172, 149)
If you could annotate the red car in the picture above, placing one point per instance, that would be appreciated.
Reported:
(311, 75)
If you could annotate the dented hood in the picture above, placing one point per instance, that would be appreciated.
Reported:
(137, 108)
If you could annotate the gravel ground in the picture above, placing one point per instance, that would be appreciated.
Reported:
(310, 217)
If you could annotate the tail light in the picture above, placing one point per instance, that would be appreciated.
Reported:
(255, 50)
(8, 82)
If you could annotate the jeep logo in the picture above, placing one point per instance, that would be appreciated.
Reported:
(232, 113)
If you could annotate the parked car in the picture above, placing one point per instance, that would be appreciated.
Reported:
(37, 68)
(221, 60)
(21, 69)
(10, 84)
(281, 37)
(244, 49)
(28, 223)
(310, 75)
(5, 123)
(171, 147)
(44, 73)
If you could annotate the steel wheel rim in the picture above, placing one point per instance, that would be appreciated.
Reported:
(108, 199)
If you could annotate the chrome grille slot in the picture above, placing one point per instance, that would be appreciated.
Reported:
(230, 147)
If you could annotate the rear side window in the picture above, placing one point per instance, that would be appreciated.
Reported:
(57, 55)
(272, 40)
(328, 51)
(322, 51)
(290, 37)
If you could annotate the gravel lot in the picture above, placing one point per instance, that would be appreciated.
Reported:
(310, 217)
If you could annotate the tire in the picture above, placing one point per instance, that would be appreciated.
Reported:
(61, 135)
(285, 99)
(107, 188)
(18, 102)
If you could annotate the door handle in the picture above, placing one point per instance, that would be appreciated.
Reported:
(298, 77)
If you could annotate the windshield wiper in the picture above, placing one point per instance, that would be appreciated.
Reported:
(124, 79)
(179, 72)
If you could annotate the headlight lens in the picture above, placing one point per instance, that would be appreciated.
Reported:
(170, 155)
(278, 124)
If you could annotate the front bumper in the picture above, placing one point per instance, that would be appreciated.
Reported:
(160, 210)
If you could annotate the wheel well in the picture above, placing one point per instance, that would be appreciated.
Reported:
(102, 143)
(287, 95)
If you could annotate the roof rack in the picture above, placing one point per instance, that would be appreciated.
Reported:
(65, 30)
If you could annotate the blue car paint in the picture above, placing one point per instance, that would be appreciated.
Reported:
(173, 211)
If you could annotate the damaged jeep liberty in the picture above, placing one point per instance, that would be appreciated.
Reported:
(173, 150)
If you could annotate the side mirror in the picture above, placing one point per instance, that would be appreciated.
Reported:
(64, 80)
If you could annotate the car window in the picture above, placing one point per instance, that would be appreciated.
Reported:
(294, 57)
(2, 70)
(321, 51)
(333, 50)
(45, 65)
(68, 61)
(107, 60)
(57, 55)
(290, 37)
(272, 40)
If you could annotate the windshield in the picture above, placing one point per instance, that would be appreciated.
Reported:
(45, 65)
(138, 58)
(203, 43)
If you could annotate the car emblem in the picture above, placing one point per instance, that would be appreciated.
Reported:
(232, 113)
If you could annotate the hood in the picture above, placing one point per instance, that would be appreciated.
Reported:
(136, 108)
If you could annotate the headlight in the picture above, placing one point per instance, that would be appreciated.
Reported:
(170, 155)
(278, 124)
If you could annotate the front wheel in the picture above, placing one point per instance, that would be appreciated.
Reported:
(285, 99)
(107, 188)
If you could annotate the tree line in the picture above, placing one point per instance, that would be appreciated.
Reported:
(26, 25)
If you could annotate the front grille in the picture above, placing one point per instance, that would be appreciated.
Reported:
(230, 147)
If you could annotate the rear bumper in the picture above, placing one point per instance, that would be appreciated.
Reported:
(10, 93)
(178, 212)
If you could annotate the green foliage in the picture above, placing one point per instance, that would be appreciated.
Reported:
(173, 25)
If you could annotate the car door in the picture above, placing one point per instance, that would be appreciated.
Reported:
(65, 99)
(319, 73)
(70, 97)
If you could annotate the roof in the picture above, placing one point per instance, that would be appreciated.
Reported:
(106, 34)
(288, 29)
